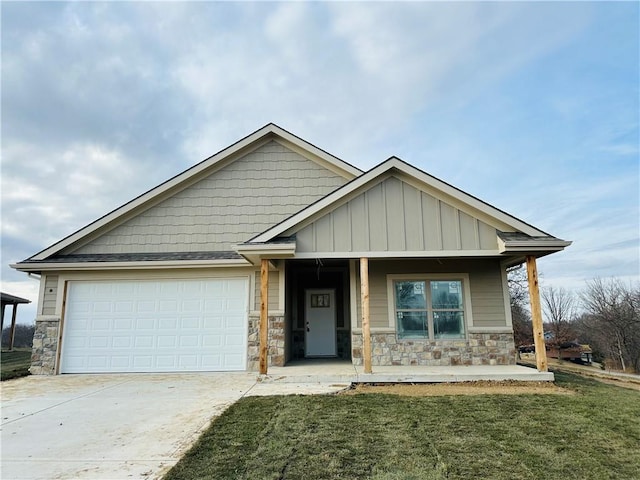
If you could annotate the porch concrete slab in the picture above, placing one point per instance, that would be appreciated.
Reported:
(334, 371)
(114, 426)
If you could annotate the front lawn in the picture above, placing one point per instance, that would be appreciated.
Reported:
(16, 363)
(594, 433)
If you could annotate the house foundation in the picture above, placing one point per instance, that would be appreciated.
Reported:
(478, 349)
(276, 351)
(45, 346)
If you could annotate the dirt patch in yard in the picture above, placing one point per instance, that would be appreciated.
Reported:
(460, 388)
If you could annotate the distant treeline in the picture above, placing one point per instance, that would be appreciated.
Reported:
(22, 338)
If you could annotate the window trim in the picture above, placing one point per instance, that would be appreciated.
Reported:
(428, 277)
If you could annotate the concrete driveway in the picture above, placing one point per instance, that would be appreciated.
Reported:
(115, 426)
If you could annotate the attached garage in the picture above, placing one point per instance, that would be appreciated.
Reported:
(168, 325)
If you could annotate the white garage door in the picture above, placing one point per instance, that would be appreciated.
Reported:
(155, 326)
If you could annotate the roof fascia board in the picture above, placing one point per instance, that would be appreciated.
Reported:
(454, 202)
(159, 193)
(359, 183)
(306, 215)
(327, 160)
(139, 205)
(269, 247)
(467, 199)
(422, 254)
(209, 165)
(401, 254)
(44, 266)
(533, 245)
(253, 253)
(338, 203)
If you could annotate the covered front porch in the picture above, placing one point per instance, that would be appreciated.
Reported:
(298, 366)
(337, 371)
(419, 281)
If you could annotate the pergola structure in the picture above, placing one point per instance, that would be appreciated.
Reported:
(15, 301)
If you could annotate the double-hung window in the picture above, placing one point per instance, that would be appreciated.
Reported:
(429, 308)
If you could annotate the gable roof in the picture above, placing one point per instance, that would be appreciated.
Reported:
(223, 157)
(498, 217)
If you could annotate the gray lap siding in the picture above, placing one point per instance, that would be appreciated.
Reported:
(486, 286)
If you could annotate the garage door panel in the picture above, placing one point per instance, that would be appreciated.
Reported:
(212, 362)
(231, 338)
(118, 361)
(142, 362)
(211, 340)
(165, 325)
(125, 324)
(124, 307)
(122, 342)
(167, 341)
(213, 323)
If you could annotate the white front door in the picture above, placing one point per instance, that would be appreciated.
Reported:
(320, 323)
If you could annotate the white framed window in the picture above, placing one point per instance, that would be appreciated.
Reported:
(430, 306)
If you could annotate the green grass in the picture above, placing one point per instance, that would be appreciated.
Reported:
(15, 364)
(593, 434)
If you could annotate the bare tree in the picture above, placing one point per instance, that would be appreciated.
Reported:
(614, 318)
(519, 293)
(23, 336)
(518, 285)
(559, 307)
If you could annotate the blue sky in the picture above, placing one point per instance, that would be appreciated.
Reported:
(532, 107)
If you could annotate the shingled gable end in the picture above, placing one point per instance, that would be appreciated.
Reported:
(273, 250)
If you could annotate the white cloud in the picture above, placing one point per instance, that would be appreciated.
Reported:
(26, 313)
(102, 101)
(56, 192)
(26, 289)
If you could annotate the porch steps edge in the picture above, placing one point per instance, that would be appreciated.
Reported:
(412, 378)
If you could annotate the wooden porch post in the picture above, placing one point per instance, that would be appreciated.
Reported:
(536, 314)
(2, 326)
(366, 329)
(12, 332)
(264, 315)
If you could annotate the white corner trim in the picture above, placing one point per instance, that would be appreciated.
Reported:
(506, 296)
(41, 292)
(281, 287)
(353, 293)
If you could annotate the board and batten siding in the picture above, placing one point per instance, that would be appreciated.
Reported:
(50, 294)
(228, 207)
(485, 278)
(394, 216)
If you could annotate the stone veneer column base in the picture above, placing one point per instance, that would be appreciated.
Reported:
(45, 346)
(276, 353)
(477, 349)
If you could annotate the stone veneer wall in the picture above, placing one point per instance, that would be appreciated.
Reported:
(276, 353)
(45, 347)
(478, 349)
